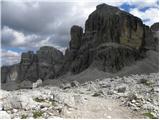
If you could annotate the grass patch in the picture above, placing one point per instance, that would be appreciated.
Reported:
(53, 102)
(37, 114)
(39, 99)
(149, 115)
(24, 116)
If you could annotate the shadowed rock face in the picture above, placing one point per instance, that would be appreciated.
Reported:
(155, 32)
(9, 73)
(112, 40)
(76, 37)
(28, 67)
(44, 64)
(49, 62)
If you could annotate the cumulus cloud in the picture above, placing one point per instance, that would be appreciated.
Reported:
(149, 16)
(9, 57)
(143, 3)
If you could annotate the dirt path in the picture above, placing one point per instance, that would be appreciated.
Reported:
(95, 107)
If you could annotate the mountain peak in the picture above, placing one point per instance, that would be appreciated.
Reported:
(107, 7)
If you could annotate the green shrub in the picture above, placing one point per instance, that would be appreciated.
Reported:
(37, 114)
(24, 116)
(39, 99)
(149, 115)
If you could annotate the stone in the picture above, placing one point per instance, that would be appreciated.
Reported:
(74, 84)
(4, 115)
(1, 106)
(26, 84)
(66, 86)
(98, 93)
(38, 83)
(12, 102)
(121, 89)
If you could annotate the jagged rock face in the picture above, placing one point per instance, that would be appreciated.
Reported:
(149, 42)
(109, 24)
(76, 37)
(151, 37)
(4, 72)
(112, 57)
(155, 32)
(112, 40)
(28, 68)
(155, 27)
(9, 73)
(44, 64)
(50, 61)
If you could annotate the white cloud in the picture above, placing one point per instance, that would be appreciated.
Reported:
(9, 57)
(16, 38)
(143, 3)
(149, 16)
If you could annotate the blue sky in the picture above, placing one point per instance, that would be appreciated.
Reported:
(31, 24)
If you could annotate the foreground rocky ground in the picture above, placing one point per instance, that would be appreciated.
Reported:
(134, 96)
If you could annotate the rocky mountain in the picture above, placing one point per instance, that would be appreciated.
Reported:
(112, 40)
(43, 64)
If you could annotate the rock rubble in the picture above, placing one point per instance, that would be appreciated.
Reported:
(138, 93)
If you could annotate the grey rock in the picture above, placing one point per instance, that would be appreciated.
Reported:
(76, 37)
(155, 26)
(9, 73)
(44, 64)
(65, 86)
(4, 72)
(4, 115)
(49, 60)
(155, 31)
(98, 93)
(38, 83)
(26, 84)
(121, 89)
(103, 21)
(28, 67)
(101, 45)
(74, 84)
(12, 102)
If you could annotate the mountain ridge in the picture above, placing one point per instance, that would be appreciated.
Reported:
(112, 40)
